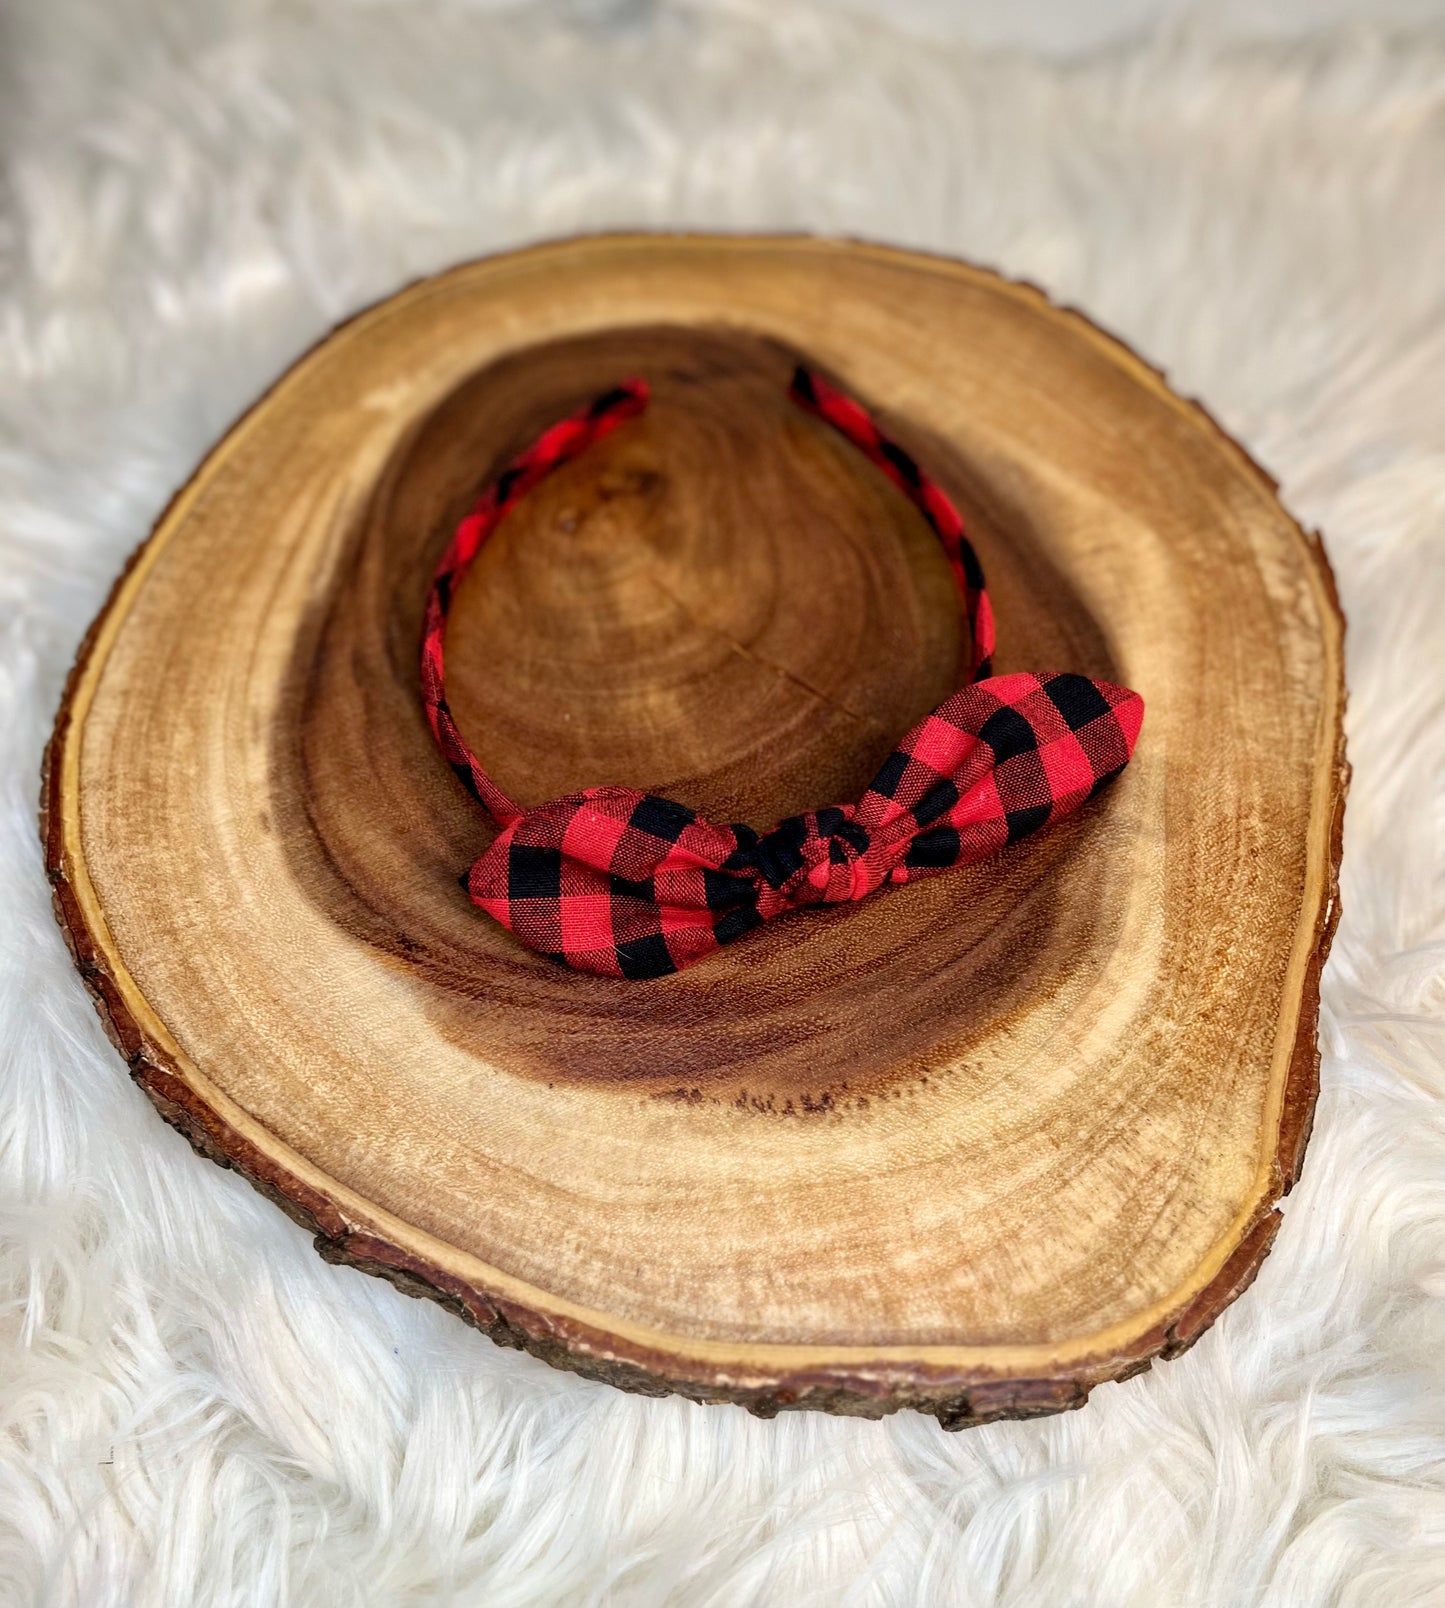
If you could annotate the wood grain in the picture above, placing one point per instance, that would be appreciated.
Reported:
(973, 1146)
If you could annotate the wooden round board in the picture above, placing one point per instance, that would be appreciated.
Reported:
(972, 1146)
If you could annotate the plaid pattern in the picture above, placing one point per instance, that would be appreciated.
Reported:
(557, 446)
(628, 884)
(812, 392)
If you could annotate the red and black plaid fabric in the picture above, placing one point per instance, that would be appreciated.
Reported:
(557, 446)
(628, 884)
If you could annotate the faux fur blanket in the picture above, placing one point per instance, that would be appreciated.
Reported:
(196, 1410)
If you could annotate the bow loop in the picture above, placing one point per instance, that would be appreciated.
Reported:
(617, 881)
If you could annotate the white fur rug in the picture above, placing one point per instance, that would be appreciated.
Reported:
(194, 1409)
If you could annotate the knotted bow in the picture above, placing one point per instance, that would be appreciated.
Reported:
(628, 884)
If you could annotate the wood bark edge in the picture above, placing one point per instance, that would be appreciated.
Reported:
(957, 1398)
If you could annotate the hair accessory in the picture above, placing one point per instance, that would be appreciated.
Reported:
(628, 884)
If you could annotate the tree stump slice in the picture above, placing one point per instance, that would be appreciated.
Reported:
(973, 1146)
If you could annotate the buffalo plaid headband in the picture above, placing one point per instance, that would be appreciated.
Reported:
(627, 884)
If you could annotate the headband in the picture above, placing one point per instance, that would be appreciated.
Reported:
(627, 884)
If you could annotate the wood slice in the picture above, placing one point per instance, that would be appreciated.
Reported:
(972, 1146)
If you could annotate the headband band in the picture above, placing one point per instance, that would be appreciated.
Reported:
(628, 884)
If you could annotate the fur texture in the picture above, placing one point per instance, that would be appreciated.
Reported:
(196, 1410)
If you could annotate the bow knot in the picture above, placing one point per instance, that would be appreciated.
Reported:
(625, 883)
(823, 857)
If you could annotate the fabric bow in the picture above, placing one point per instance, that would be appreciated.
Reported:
(628, 884)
